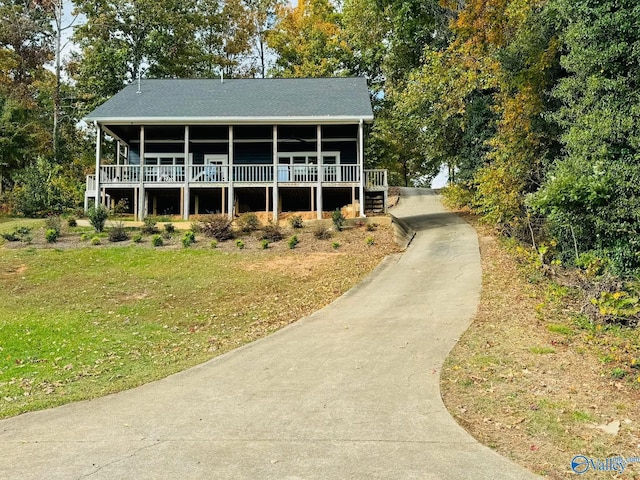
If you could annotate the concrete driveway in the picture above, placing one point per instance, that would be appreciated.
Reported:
(350, 392)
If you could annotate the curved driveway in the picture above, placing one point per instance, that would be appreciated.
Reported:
(350, 392)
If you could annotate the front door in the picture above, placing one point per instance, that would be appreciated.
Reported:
(215, 168)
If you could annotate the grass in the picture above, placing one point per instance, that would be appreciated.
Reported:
(534, 378)
(84, 321)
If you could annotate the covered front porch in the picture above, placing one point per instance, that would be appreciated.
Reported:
(229, 169)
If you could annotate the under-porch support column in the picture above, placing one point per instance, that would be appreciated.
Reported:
(231, 179)
(142, 199)
(98, 158)
(361, 161)
(224, 200)
(186, 194)
(320, 170)
(275, 176)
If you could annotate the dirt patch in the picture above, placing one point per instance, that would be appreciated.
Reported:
(19, 270)
(532, 382)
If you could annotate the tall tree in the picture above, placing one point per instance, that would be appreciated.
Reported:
(25, 48)
(592, 196)
(308, 40)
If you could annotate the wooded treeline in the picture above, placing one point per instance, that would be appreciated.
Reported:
(532, 104)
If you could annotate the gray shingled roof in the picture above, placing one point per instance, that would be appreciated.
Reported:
(255, 99)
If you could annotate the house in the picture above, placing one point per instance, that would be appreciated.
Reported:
(187, 147)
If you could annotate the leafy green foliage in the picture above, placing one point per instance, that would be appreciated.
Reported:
(98, 217)
(150, 226)
(188, 238)
(51, 235)
(293, 241)
(156, 240)
(338, 220)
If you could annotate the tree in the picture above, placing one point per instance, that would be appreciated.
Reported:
(309, 41)
(591, 194)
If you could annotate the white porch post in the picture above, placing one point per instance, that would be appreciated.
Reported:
(320, 170)
(98, 158)
(187, 176)
(275, 174)
(142, 194)
(231, 179)
(361, 160)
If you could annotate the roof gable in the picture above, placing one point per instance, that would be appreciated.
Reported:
(238, 99)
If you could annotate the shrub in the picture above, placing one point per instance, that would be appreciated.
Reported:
(218, 227)
(53, 222)
(240, 244)
(293, 241)
(51, 235)
(272, 232)
(214, 244)
(95, 241)
(98, 217)
(338, 219)
(372, 227)
(137, 238)
(118, 233)
(321, 232)
(19, 234)
(248, 222)
(121, 207)
(169, 228)
(157, 241)
(335, 245)
(196, 227)
(149, 226)
(370, 241)
(72, 222)
(188, 239)
(264, 244)
(84, 237)
(296, 222)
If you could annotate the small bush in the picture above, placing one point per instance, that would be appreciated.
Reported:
(19, 234)
(248, 222)
(321, 232)
(150, 226)
(264, 244)
(370, 241)
(272, 232)
(98, 217)
(218, 227)
(240, 244)
(335, 245)
(169, 228)
(51, 235)
(372, 227)
(214, 244)
(95, 241)
(84, 237)
(121, 207)
(196, 227)
(53, 223)
(72, 222)
(118, 233)
(296, 222)
(137, 238)
(338, 219)
(188, 239)
(293, 241)
(157, 241)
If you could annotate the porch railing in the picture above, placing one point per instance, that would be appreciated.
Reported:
(376, 179)
(162, 174)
